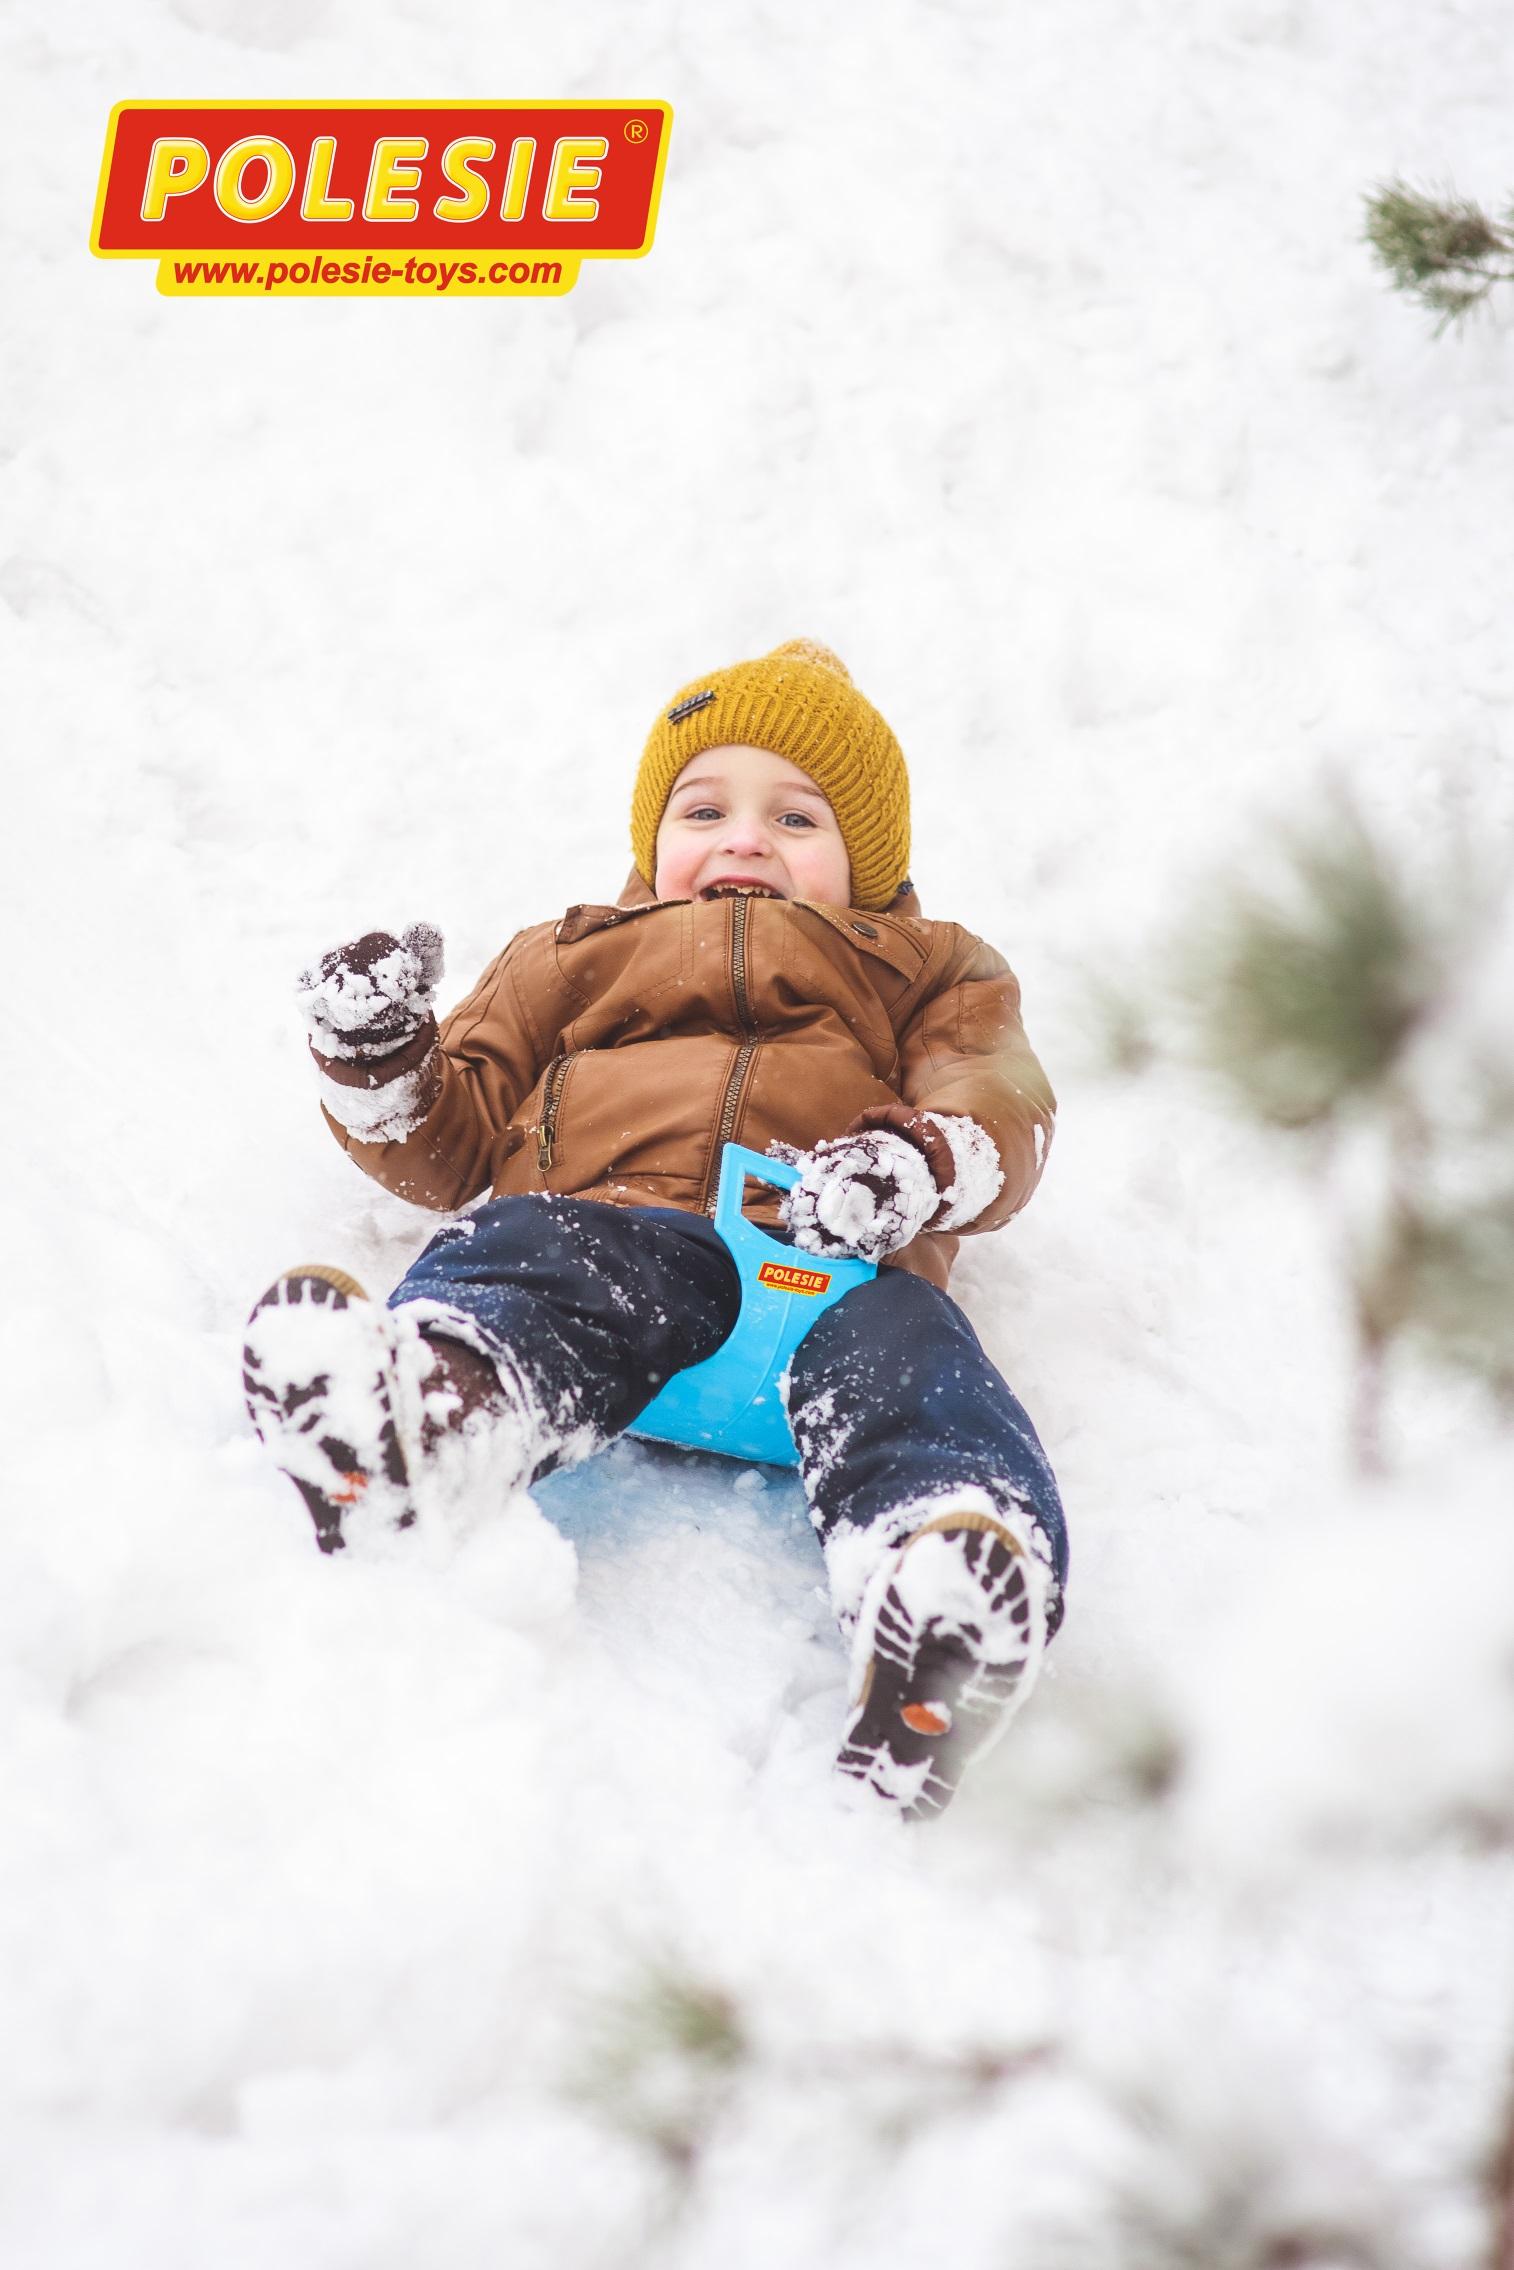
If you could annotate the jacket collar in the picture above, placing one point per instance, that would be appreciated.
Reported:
(636, 893)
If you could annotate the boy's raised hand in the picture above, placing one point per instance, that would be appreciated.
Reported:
(367, 998)
(867, 1193)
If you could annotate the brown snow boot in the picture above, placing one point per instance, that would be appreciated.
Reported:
(352, 1398)
(949, 1640)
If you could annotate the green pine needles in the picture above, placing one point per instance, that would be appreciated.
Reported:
(666, 2053)
(1442, 250)
(1306, 993)
(1324, 991)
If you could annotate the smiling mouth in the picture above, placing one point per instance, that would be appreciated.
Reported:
(740, 890)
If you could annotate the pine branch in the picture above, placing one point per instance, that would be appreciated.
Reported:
(664, 2058)
(1443, 250)
(1303, 992)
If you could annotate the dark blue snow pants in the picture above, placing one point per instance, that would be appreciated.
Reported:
(891, 1397)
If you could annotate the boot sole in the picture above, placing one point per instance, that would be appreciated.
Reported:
(290, 1418)
(929, 1701)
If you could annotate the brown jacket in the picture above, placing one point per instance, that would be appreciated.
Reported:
(612, 1054)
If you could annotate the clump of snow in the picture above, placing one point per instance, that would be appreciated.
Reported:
(937, 1583)
(859, 1556)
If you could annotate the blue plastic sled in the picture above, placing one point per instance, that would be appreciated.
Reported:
(730, 1402)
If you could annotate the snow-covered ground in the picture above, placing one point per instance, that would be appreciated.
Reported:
(488, 1900)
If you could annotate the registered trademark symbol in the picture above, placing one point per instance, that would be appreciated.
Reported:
(636, 129)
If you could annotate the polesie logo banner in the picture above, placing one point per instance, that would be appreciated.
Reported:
(785, 1278)
(434, 199)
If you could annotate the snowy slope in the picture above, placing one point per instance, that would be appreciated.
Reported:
(1031, 363)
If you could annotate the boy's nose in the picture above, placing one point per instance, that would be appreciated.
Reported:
(746, 839)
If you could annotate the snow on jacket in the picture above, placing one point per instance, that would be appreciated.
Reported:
(612, 1054)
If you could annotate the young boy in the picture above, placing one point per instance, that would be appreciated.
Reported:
(767, 978)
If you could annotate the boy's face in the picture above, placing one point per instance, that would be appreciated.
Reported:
(742, 819)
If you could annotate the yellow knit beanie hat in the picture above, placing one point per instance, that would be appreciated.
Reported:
(798, 701)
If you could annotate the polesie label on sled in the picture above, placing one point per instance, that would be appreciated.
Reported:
(446, 199)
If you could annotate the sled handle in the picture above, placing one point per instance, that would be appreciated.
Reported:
(736, 1165)
(732, 1402)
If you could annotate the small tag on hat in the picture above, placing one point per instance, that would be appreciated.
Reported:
(683, 709)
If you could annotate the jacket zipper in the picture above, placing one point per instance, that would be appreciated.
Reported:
(545, 1130)
(739, 910)
(744, 1053)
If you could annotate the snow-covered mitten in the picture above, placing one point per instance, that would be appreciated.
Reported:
(373, 1031)
(354, 1401)
(866, 1194)
(962, 1156)
(949, 1639)
(364, 1000)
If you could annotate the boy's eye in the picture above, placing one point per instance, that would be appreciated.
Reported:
(717, 811)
